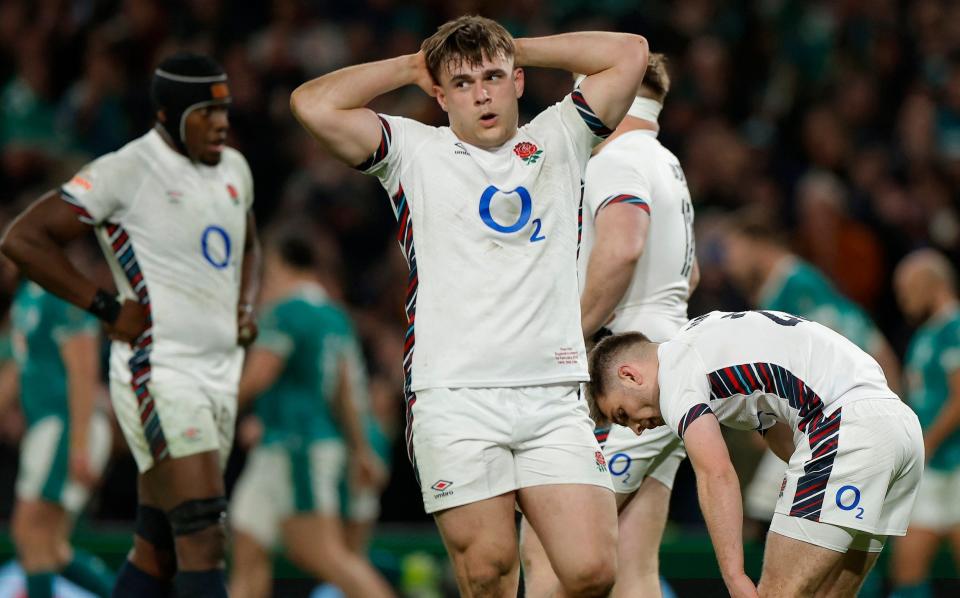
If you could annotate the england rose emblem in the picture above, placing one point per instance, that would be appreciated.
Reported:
(527, 152)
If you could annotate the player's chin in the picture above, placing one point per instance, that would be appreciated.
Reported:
(211, 158)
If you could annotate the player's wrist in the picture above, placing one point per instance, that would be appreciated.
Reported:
(105, 307)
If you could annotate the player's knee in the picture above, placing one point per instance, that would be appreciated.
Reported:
(485, 570)
(199, 530)
(593, 576)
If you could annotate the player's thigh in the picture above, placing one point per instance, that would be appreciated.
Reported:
(641, 524)
(481, 537)
(577, 525)
(847, 576)
(539, 579)
(313, 540)
(781, 575)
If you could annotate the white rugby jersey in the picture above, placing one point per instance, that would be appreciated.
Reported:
(491, 239)
(755, 368)
(636, 169)
(173, 232)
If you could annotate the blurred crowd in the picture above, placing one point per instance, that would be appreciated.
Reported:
(840, 117)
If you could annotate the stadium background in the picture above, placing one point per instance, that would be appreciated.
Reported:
(861, 94)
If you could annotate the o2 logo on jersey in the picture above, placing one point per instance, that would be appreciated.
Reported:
(526, 210)
(848, 499)
(216, 246)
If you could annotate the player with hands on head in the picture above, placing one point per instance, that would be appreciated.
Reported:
(488, 216)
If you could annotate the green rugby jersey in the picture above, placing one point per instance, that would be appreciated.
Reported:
(799, 288)
(311, 334)
(41, 323)
(934, 354)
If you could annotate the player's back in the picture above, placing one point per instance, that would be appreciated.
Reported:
(771, 362)
(635, 164)
(314, 335)
(41, 322)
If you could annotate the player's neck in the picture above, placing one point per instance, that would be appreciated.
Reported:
(167, 139)
(285, 282)
(944, 302)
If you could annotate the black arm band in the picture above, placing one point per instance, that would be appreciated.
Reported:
(105, 306)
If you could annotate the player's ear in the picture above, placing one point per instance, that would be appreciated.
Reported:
(441, 97)
(628, 373)
(518, 81)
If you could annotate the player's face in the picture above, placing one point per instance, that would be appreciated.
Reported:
(629, 408)
(481, 100)
(206, 134)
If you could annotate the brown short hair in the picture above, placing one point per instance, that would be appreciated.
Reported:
(656, 80)
(601, 359)
(470, 39)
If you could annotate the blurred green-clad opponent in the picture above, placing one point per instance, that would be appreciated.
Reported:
(925, 284)
(304, 373)
(67, 441)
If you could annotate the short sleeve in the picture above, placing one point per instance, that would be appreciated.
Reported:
(611, 181)
(399, 139)
(275, 333)
(92, 193)
(684, 390)
(73, 321)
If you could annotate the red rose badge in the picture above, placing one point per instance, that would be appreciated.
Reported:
(527, 152)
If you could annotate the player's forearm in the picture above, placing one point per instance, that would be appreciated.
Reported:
(584, 52)
(349, 415)
(354, 86)
(720, 501)
(608, 279)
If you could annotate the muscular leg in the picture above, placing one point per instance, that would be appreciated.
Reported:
(357, 535)
(845, 579)
(794, 568)
(315, 543)
(190, 490)
(642, 520)
(252, 568)
(481, 540)
(953, 535)
(912, 557)
(577, 525)
(539, 579)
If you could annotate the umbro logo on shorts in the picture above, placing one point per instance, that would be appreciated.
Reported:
(441, 485)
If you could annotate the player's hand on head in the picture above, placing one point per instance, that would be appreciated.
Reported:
(130, 323)
(247, 329)
(423, 79)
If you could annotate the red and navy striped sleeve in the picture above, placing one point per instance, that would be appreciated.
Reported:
(625, 198)
(386, 137)
(589, 116)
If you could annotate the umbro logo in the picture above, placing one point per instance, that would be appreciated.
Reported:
(441, 485)
(461, 150)
(174, 196)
